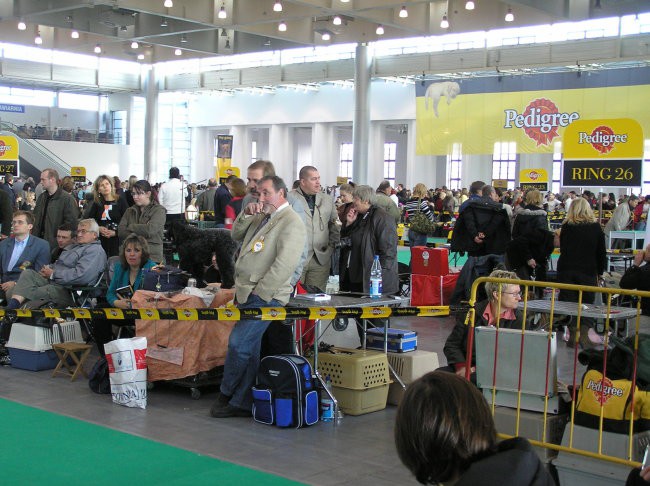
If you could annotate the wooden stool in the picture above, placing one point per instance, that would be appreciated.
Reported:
(78, 352)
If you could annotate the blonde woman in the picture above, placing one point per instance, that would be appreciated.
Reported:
(582, 254)
(418, 203)
(107, 209)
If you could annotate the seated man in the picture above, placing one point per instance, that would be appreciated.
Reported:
(79, 264)
(638, 277)
(66, 235)
(502, 301)
(21, 251)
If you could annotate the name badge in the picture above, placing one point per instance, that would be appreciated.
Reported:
(258, 245)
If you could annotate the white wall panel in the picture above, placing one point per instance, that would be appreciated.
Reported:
(227, 79)
(261, 76)
(78, 74)
(25, 69)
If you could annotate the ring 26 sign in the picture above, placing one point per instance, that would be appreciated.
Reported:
(604, 153)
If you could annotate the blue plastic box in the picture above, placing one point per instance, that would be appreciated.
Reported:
(399, 340)
(33, 360)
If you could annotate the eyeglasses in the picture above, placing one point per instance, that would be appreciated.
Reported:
(513, 293)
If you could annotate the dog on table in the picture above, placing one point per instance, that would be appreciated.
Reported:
(435, 91)
(197, 247)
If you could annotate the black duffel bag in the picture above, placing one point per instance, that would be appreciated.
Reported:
(164, 279)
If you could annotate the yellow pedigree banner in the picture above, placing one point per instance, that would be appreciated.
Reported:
(322, 312)
(375, 312)
(617, 138)
(226, 172)
(472, 116)
(273, 313)
(8, 148)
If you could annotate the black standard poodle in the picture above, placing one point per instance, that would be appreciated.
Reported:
(197, 247)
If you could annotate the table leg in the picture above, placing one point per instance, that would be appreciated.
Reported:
(335, 402)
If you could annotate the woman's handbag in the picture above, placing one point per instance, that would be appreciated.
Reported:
(420, 223)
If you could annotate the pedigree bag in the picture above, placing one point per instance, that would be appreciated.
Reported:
(127, 368)
(615, 399)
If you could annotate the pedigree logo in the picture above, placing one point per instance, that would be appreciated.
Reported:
(4, 147)
(540, 120)
(604, 390)
(533, 175)
(602, 139)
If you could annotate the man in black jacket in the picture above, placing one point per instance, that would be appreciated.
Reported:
(638, 277)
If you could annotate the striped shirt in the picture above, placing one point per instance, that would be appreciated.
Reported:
(411, 207)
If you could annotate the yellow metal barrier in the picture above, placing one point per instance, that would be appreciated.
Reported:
(607, 294)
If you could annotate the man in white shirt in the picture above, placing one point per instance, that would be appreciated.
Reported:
(172, 196)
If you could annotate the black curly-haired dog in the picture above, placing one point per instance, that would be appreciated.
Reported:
(197, 246)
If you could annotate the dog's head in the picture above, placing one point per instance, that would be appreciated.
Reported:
(453, 89)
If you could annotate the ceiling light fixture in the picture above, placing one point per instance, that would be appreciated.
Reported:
(379, 30)
(163, 22)
(469, 5)
(509, 16)
(222, 12)
(140, 57)
(326, 36)
(22, 25)
(337, 20)
(168, 4)
(277, 6)
(282, 26)
(224, 33)
(183, 38)
(38, 40)
(98, 49)
(74, 34)
(178, 52)
(134, 45)
(444, 23)
(403, 13)
(227, 43)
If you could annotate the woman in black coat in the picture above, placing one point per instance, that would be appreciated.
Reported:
(107, 209)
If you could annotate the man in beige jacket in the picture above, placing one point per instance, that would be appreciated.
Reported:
(273, 239)
(319, 215)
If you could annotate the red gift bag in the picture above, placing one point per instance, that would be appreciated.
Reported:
(304, 327)
(432, 290)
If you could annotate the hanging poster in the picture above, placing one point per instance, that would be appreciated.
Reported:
(9, 155)
(533, 179)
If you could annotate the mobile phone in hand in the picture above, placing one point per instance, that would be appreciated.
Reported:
(646, 457)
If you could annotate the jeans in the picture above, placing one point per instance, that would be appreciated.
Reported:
(417, 239)
(243, 357)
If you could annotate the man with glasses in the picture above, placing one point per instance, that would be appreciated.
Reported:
(80, 263)
(319, 214)
(53, 208)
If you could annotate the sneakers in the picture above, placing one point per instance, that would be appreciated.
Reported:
(228, 411)
(5, 359)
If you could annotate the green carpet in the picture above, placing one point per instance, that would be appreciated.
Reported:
(46, 448)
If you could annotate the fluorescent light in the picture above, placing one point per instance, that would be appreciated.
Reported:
(403, 13)
(222, 13)
(509, 16)
(282, 27)
(134, 45)
(379, 30)
(98, 49)
(326, 36)
(178, 52)
(277, 6)
(22, 25)
(74, 34)
(469, 5)
(140, 57)
(38, 40)
(168, 4)
(337, 20)
(444, 23)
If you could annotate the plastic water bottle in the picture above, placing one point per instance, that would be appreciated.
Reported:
(191, 283)
(375, 279)
(326, 403)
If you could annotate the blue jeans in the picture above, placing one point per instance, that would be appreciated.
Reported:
(243, 357)
(417, 239)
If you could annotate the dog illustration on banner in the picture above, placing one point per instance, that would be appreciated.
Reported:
(435, 91)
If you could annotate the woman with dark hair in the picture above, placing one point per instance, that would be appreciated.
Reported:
(145, 218)
(444, 433)
(127, 278)
(233, 208)
(107, 209)
(126, 195)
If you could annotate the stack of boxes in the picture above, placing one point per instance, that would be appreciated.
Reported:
(431, 282)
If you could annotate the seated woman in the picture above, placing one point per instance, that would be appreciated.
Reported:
(502, 301)
(127, 278)
(444, 433)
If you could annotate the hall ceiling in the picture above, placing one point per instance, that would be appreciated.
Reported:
(194, 26)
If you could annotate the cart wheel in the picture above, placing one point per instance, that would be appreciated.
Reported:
(150, 385)
(196, 393)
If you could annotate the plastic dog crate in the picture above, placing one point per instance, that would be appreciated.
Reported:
(409, 367)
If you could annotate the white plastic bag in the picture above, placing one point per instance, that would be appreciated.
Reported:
(127, 368)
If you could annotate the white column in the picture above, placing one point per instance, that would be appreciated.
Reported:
(411, 168)
(361, 124)
(151, 129)
(241, 148)
(281, 152)
(375, 164)
(325, 152)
